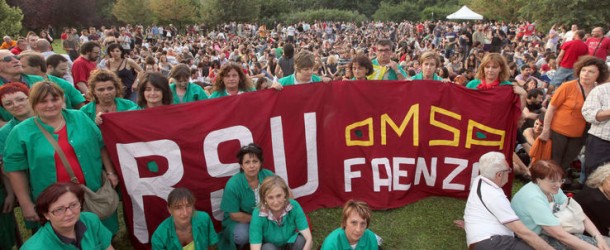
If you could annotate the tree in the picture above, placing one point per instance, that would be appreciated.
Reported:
(220, 11)
(586, 13)
(10, 24)
(500, 10)
(396, 12)
(175, 11)
(132, 11)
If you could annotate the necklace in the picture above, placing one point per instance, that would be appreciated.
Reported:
(59, 126)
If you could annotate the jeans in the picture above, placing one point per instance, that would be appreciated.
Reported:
(241, 234)
(298, 244)
(562, 75)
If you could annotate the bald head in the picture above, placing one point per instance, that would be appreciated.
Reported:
(42, 45)
(597, 32)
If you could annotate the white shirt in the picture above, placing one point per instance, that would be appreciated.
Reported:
(479, 223)
(597, 100)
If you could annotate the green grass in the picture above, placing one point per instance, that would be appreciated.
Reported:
(426, 224)
(57, 47)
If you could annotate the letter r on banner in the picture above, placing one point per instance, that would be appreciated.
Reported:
(159, 186)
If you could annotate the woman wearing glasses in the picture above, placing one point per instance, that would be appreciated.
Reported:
(64, 225)
(240, 197)
(186, 228)
(537, 201)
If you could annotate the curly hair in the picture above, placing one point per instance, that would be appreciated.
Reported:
(601, 65)
(598, 177)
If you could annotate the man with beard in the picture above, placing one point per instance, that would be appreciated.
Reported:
(533, 107)
(84, 64)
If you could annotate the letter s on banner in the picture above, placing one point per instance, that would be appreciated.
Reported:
(159, 186)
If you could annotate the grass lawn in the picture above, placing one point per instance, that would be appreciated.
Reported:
(427, 224)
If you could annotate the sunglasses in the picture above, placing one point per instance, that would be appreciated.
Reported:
(9, 58)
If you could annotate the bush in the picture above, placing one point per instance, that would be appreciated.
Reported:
(397, 12)
(324, 14)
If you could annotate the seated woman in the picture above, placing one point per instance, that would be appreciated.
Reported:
(240, 197)
(536, 202)
(594, 199)
(279, 222)
(184, 91)
(153, 91)
(354, 232)
(231, 81)
(105, 90)
(303, 71)
(186, 228)
(429, 63)
(361, 67)
(531, 134)
(64, 225)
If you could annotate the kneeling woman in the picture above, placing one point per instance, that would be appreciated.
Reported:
(354, 232)
(186, 228)
(280, 222)
(65, 226)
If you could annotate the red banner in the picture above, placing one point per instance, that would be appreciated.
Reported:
(389, 143)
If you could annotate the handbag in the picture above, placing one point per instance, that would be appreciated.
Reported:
(571, 217)
(103, 202)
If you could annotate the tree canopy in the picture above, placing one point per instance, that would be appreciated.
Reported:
(40, 13)
(10, 23)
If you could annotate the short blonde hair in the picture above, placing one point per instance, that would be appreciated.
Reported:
(360, 208)
(598, 177)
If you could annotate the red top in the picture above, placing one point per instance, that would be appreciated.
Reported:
(602, 51)
(81, 69)
(572, 51)
(62, 174)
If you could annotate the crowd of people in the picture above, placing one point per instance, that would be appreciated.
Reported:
(559, 77)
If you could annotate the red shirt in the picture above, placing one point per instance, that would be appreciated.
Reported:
(81, 69)
(572, 51)
(64, 144)
(602, 51)
(16, 50)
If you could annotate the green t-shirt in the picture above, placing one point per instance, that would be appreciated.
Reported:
(263, 230)
(96, 236)
(385, 73)
(223, 93)
(291, 80)
(337, 240)
(30, 151)
(420, 76)
(237, 196)
(121, 105)
(193, 93)
(476, 82)
(204, 235)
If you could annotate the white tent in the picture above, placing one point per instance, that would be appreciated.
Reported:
(465, 14)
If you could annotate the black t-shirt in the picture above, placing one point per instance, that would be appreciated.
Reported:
(596, 207)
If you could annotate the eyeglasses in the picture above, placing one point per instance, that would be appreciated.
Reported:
(62, 210)
(9, 104)
(10, 58)
(560, 181)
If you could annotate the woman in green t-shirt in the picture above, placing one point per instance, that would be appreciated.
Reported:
(279, 222)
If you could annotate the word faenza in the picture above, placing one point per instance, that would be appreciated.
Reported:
(397, 170)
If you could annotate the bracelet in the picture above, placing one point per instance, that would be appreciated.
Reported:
(110, 173)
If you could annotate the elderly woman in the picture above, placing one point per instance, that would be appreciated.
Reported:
(361, 67)
(231, 81)
(153, 91)
(186, 228)
(595, 200)
(279, 222)
(354, 232)
(126, 68)
(32, 163)
(240, 197)
(105, 93)
(64, 225)
(13, 98)
(184, 91)
(429, 63)
(564, 123)
(536, 202)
